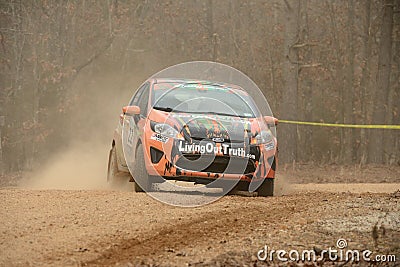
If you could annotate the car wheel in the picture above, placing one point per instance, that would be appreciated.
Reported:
(240, 186)
(266, 189)
(142, 180)
(113, 176)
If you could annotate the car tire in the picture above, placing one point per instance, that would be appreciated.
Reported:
(142, 180)
(266, 189)
(240, 186)
(113, 176)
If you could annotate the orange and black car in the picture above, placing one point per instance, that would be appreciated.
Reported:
(196, 131)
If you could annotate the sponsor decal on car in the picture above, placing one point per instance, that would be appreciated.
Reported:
(269, 146)
(131, 135)
(218, 139)
(160, 138)
(212, 148)
(211, 117)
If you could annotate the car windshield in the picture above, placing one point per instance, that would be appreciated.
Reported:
(204, 98)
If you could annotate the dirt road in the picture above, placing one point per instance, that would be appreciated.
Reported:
(108, 228)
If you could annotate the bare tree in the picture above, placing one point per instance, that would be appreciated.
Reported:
(291, 71)
(365, 81)
(376, 152)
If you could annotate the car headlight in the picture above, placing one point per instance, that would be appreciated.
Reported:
(263, 137)
(165, 130)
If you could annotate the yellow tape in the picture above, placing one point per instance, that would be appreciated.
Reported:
(364, 126)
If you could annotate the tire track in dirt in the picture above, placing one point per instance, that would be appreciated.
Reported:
(204, 231)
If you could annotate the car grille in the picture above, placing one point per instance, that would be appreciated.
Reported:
(217, 164)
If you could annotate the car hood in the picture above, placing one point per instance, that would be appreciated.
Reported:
(219, 128)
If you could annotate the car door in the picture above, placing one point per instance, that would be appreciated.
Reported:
(137, 122)
(128, 129)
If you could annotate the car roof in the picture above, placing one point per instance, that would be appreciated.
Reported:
(205, 82)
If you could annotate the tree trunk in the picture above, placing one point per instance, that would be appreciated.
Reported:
(376, 148)
(290, 71)
(211, 30)
(305, 95)
(365, 83)
(391, 138)
(2, 164)
(348, 90)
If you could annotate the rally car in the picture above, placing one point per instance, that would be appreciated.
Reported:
(196, 131)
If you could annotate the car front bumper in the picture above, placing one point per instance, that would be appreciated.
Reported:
(168, 158)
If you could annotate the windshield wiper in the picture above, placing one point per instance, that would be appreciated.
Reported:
(167, 109)
(219, 113)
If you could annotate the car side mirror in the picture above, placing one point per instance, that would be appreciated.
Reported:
(271, 121)
(131, 110)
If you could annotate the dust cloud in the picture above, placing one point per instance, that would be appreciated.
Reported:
(282, 185)
(80, 161)
(84, 166)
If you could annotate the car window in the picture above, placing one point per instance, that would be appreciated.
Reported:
(144, 100)
(136, 97)
(204, 98)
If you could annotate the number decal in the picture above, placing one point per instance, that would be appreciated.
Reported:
(131, 135)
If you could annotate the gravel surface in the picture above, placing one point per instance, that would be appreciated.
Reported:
(111, 228)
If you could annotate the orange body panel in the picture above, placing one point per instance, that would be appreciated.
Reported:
(263, 156)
